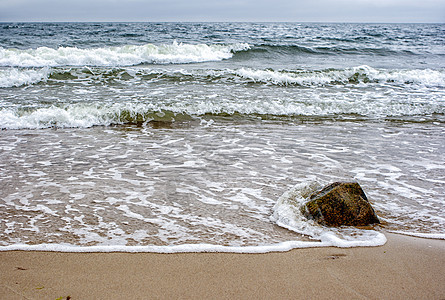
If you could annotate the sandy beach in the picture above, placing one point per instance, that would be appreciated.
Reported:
(404, 268)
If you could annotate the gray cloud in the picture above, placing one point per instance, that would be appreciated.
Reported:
(229, 10)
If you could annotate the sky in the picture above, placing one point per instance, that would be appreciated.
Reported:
(387, 11)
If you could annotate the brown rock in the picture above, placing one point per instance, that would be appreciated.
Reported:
(340, 203)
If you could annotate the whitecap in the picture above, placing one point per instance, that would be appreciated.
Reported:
(14, 77)
(356, 75)
(127, 55)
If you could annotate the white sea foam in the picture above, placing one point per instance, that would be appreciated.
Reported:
(127, 55)
(11, 77)
(360, 74)
(186, 248)
(437, 236)
(73, 116)
(249, 191)
(286, 213)
(363, 75)
(84, 115)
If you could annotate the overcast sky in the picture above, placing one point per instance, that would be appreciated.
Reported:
(224, 10)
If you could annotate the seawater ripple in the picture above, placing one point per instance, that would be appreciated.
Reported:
(106, 96)
(173, 137)
(215, 184)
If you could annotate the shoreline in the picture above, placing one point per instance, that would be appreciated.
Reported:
(405, 267)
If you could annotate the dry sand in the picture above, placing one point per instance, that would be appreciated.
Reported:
(404, 268)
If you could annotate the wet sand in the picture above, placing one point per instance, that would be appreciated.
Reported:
(404, 268)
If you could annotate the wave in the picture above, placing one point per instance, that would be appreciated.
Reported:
(88, 115)
(128, 55)
(174, 53)
(355, 75)
(14, 77)
(326, 50)
(179, 112)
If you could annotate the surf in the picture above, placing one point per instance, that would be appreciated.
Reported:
(126, 55)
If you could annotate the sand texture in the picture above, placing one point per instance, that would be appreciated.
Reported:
(404, 268)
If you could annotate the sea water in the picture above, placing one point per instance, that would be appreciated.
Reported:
(177, 137)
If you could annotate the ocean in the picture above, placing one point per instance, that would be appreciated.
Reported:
(200, 137)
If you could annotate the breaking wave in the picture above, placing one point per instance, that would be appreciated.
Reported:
(88, 115)
(14, 77)
(128, 55)
(358, 95)
(85, 115)
(360, 74)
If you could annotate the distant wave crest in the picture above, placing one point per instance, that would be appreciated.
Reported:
(128, 55)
